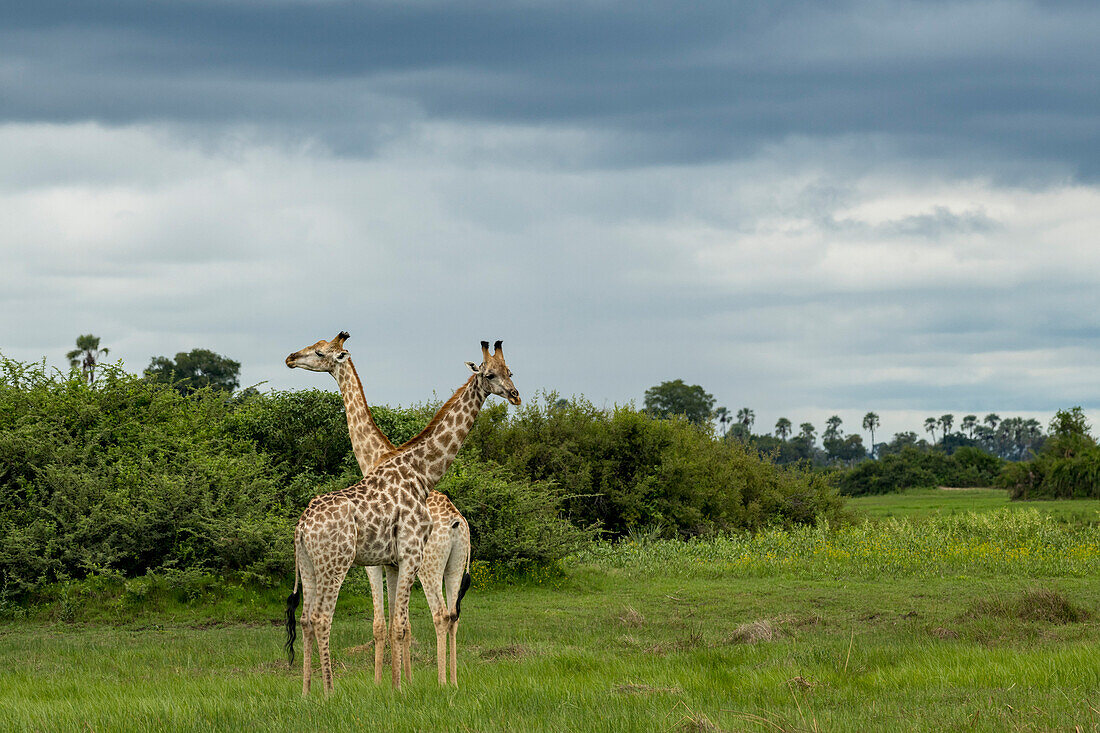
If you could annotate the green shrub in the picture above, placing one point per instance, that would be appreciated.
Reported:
(301, 432)
(620, 468)
(127, 476)
(130, 477)
(914, 468)
(511, 520)
(1066, 467)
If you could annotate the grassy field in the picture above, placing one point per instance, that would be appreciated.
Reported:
(929, 502)
(984, 621)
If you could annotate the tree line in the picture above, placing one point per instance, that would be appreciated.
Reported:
(1012, 439)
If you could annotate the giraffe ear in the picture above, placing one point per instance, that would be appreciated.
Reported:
(473, 366)
(342, 356)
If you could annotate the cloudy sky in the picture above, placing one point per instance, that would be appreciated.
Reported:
(806, 207)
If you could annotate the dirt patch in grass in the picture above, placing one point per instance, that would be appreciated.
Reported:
(766, 629)
(512, 651)
(755, 632)
(697, 724)
(631, 617)
(801, 684)
(1038, 604)
(941, 632)
(685, 719)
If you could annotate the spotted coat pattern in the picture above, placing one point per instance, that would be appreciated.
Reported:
(447, 553)
(384, 520)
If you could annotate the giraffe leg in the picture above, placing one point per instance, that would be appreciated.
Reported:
(456, 582)
(327, 592)
(395, 650)
(400, 623)
(309, 602)
(452, 634)
(322, 624)
(377, 591)
(432, 582)
(406, 655)
(307, 651)
(397, 647)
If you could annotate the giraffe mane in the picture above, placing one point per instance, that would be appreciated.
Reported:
(366, 406)
(439, 415)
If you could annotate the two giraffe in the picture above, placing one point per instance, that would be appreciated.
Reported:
(383, 520)
(447, 553)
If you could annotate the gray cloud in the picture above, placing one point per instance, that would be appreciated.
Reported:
(808, 208)
(981, 81)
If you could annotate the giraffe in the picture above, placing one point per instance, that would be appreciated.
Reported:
(447, 553)
(383, 520)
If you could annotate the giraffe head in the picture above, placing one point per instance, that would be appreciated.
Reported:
(323, 356)
(494, 375)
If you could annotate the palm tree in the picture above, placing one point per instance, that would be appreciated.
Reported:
(807, 431)
(946, 421)
(86, 356)
(1033, 434)
(782, 428)
(834, 423)
(723, 417)
(968, 424)
(870, 422)
(930, 427)
(746, 417)
(991, 420)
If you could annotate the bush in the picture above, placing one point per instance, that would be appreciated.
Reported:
(511, 520)
(914, 468)
(621, 469)
(127, 476)
(300, 432)
(1066, 467)
(130, 477)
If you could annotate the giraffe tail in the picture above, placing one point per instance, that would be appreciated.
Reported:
(291, 609)
(465, 585)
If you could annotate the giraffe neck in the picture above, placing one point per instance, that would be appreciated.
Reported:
(368, 442)
(435, 448)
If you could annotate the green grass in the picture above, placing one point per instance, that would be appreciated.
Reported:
(934, 502)
(636, 636)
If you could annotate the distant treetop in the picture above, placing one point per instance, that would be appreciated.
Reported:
(194, 370)
(676, 398)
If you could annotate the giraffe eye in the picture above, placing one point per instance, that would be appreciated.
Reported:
(318, 353)
(491, 376)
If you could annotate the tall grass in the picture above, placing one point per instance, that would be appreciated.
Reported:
(1006, 542)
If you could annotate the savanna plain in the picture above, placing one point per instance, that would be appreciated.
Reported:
(935, 610)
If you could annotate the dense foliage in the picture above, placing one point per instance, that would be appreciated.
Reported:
(913, 468)
(128, 475)
(622, 469)
(1066, 467)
